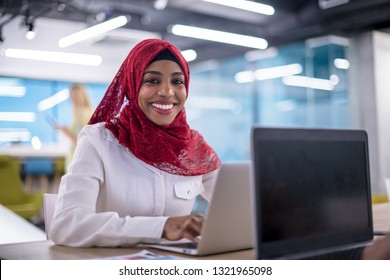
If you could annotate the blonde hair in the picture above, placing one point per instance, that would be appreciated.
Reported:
(79, 96)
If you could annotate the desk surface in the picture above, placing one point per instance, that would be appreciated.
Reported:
(46, 250)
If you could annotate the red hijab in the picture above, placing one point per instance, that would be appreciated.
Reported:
(174, 148)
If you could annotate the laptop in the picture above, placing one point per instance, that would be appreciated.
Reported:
(311, 191)
(228, 223)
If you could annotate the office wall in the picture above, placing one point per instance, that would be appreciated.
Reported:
(370, 99)
(381, 43)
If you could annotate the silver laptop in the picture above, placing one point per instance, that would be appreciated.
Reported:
(312, 193)
(228, 224)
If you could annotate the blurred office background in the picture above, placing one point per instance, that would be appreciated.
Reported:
(314, 63)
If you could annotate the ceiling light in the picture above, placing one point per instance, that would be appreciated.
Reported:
(100, 17)
(13, 91)
(244, 77)
(246, 5)
(254, 55)
(30, 34)
(308, 82)
(61, 7)
(53, 100)
(160, 4)
(17, 116)
(327, 40)
(334, 79)
(278, 71)
(61, 57)
(341, 63)
(219, 36)
(326, 4)
(189, 55)
(92, 31)
(36, 143)
(268, 73)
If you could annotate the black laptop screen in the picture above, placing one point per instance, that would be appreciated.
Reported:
(311, 191)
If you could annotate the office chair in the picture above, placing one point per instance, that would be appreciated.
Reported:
(49, 203)
(39, 168)
(12, 194)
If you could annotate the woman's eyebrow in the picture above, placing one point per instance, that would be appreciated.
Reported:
(177, 73)
(159, 73)
(153, 72)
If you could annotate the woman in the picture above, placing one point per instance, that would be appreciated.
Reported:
(138, 166)
(82, 112)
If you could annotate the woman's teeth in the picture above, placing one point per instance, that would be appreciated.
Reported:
(163, 106)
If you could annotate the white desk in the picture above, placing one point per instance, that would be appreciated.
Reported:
(16, 229)
(46, 250)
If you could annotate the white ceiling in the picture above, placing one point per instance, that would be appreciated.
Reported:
(112, 50)
(293, 21)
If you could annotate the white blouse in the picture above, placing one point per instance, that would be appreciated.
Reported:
(111, 198)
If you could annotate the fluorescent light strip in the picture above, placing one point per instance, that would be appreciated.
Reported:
(254, 55)
(92, 31)
(244, 77)
(268, 73)
(278, 71)
(13, 91)
(60, 57)
(17, 116)
(307, 82)
(53, 100)
(246, 5)
(160, 4)
(219, 36)
(326, 4)
(341, 63)
(189, 55)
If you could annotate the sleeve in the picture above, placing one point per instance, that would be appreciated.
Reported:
(76, 223)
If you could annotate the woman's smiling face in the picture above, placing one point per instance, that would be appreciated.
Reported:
(162, 94)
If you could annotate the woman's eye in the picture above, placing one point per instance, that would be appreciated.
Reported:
(177, 81)
(152, 81)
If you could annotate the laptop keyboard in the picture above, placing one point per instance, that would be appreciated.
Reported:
(348, 254)
(183, 245)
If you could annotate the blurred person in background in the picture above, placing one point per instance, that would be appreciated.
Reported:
(82, 112)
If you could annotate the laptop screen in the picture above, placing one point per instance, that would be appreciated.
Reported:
(312, 189)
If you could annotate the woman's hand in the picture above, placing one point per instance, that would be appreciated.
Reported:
(183, 227)
(379, 250)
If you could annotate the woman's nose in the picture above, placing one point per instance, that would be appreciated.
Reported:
(165, 90)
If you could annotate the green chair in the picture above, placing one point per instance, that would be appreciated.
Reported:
(12, 194)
